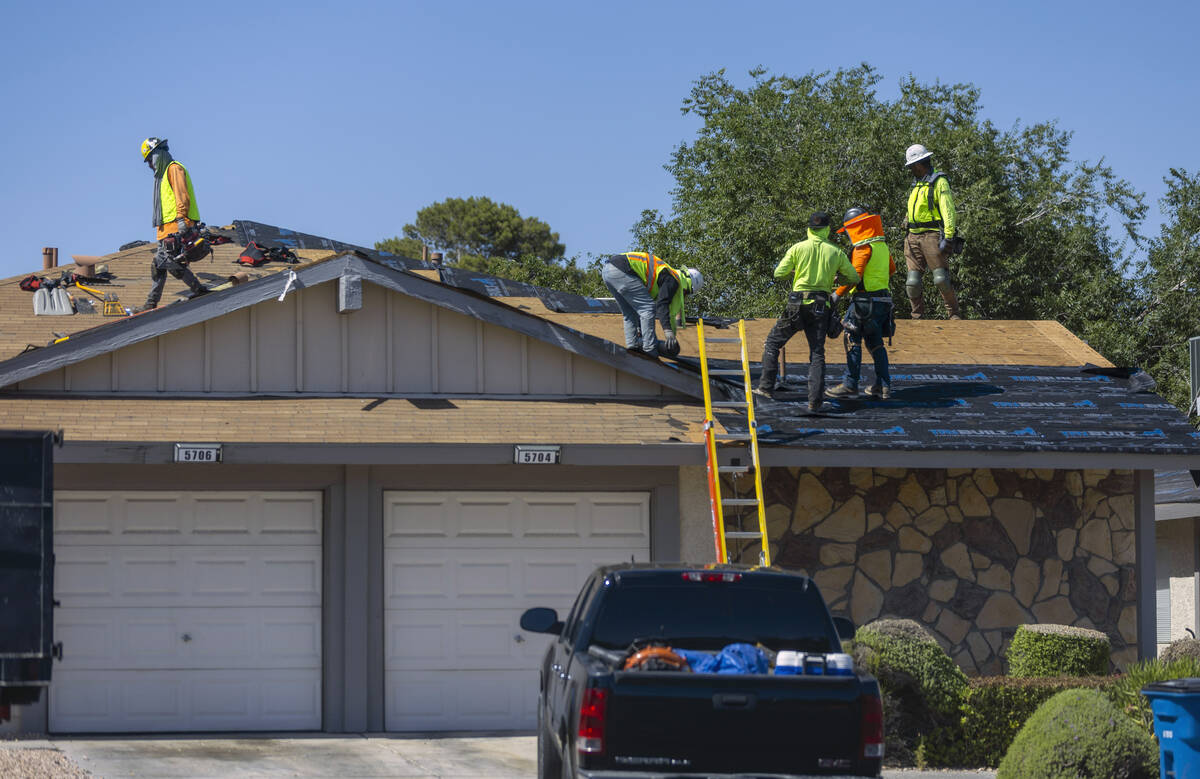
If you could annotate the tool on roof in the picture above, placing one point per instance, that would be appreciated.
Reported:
(722, 532)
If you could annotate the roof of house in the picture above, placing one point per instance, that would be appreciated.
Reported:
(980, 386)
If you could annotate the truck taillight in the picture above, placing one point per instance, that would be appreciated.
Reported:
(711, 576)
(591, 721)
(872, 726)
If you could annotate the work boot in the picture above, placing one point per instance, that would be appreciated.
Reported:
(878, 391)
(145, 307)
(198, 291)
(814, 408)
(763, 392)
(842, 391)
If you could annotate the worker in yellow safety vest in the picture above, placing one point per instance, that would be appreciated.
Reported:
(175, 211)
(646, 288)
(932, 225)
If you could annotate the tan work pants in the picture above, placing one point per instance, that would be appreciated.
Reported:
(921, 252)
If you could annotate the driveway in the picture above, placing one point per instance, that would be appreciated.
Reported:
(446, 757)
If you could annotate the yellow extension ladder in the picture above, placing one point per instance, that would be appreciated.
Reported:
(723, 534)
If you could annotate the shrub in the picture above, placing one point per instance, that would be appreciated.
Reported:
(1058, 650)
(993, 709)
(1126, 692)
(1180, 649)
(1079, 733)
(921, 685)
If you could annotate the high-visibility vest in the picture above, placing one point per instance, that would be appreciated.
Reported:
(647, 267)
(167, 198)
(923, 211)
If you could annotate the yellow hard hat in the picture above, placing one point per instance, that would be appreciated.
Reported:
(150, 144)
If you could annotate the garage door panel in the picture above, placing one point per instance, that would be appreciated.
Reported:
(241, 638)
(187, 518)
(483, 639)
(460, 568)
(461, 700)
(164, 701)
(187, 611)
(183, 576)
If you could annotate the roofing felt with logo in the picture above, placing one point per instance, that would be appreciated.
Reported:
(982, 408)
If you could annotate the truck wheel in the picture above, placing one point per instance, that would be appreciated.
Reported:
(549, 761)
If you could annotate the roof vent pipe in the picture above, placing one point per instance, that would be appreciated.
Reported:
(435, 258)
(49, 258)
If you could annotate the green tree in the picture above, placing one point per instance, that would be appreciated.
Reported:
(1170, 285)
(769, 154)
(478, 227)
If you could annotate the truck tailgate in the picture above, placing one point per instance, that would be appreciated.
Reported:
(735, 723)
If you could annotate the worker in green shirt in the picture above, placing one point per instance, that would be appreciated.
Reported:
(932, 231)
(812, 263)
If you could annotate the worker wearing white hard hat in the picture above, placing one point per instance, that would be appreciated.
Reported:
(646, 289)
(175, 211)
(932, 237)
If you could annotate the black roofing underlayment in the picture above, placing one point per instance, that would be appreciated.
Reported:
(269, 235)
(978, 408)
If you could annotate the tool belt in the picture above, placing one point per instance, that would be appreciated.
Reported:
(910, 226)
(797, 297)
(880, 295)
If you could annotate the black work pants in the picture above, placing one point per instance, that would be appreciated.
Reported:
(163, 264)
(812, 317)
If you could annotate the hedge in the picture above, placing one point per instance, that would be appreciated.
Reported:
(993, 710)
(1126, 691)
(1058, 650)
(1079, 733)
(1180, 649)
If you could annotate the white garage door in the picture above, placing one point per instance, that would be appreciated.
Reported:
(187, 611)
(461, 567)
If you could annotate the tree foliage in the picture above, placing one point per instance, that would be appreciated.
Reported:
(477, 227)
(482, 235)
(768, 155)
(1170, 300)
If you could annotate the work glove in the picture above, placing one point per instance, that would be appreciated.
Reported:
(671, 344)
(946, 246)
(833, 298)
(181, 224)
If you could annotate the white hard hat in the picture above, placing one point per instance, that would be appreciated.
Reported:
(697, 280)
(916, 153)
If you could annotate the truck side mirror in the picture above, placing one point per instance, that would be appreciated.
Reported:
(541, 620)
(845, 628)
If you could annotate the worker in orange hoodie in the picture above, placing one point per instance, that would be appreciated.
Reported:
(175, 210)
(869, 317)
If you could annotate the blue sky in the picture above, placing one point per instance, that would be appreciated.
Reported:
(344, 119)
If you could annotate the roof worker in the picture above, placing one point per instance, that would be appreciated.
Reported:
(175, 211)
(646, 288)
(932, 231)
(869, 317)
(812, 263)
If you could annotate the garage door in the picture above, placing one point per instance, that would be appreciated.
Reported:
(184, 611)
(460, 569)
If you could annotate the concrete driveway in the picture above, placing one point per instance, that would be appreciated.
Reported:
(446, 757)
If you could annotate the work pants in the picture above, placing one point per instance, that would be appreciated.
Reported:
(637, 307)
(872, 317)
(163, 264)
(920, 252)
(811, 316)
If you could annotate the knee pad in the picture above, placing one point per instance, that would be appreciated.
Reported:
(913, 281)
(941, 277)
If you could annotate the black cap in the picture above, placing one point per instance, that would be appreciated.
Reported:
(818, 219)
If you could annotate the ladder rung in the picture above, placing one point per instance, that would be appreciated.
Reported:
(723, 340)
(733, 436)
(733, 469)
(729, 404)
(742, 534)
(726, 372)
(739, 502)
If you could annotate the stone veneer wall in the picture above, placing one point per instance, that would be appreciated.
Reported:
(971, 554)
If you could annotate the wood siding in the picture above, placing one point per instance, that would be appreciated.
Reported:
(394, 345)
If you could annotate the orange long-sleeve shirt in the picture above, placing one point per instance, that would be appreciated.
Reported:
(178, 180)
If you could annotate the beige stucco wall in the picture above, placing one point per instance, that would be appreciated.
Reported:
(1176, 542)
(972, 554)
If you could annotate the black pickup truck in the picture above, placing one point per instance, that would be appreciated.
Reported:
(616, 702)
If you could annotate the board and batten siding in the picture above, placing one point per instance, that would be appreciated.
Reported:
(394, 344)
